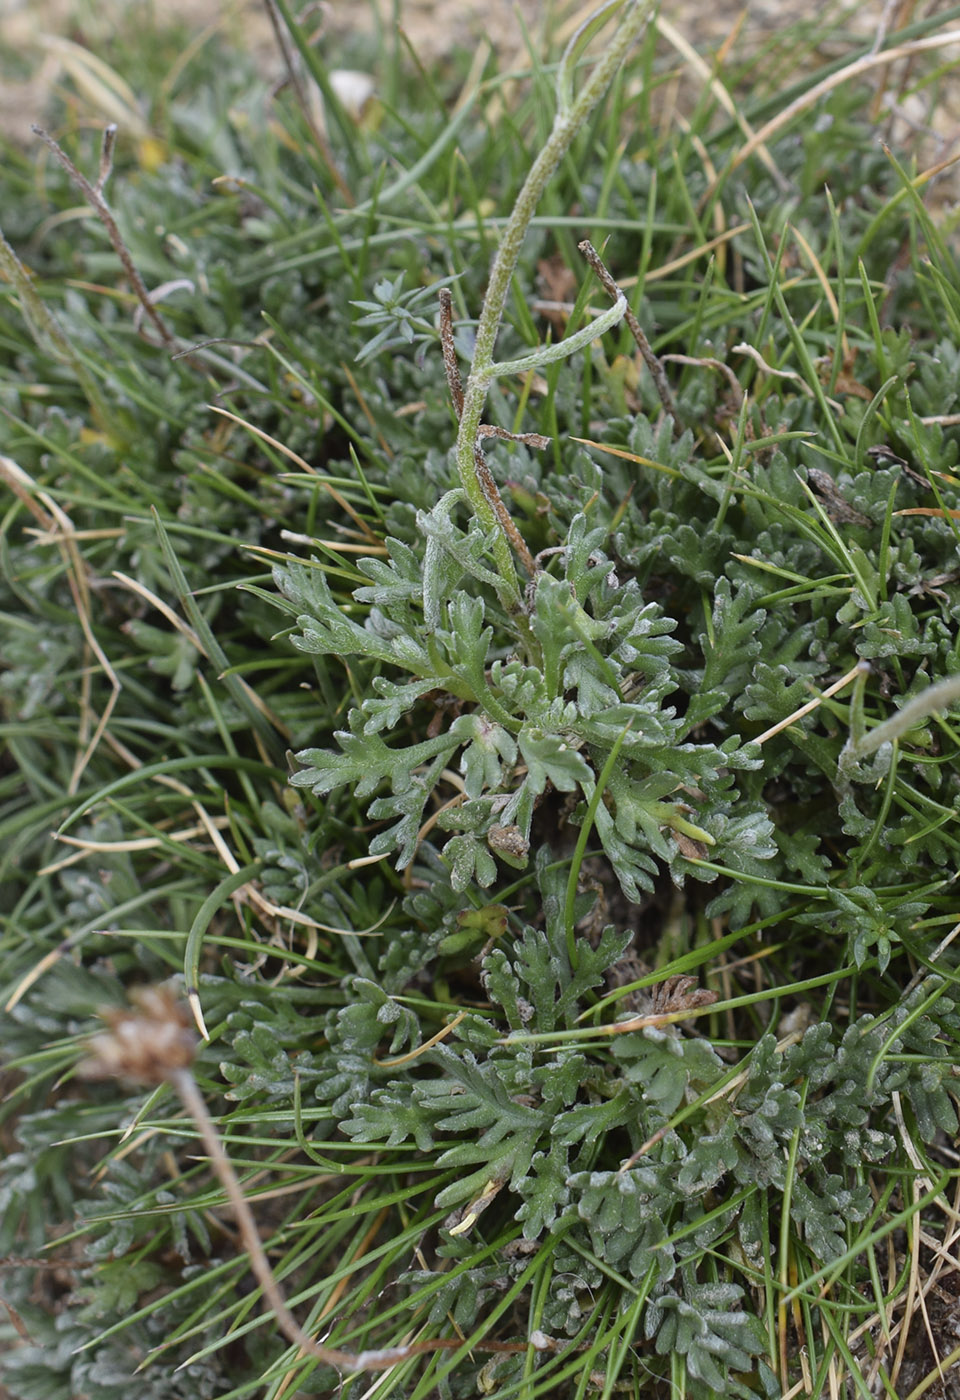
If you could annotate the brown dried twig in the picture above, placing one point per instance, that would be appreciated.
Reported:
(664, 392)
(451, 365)
(95, 198)
(709, 362)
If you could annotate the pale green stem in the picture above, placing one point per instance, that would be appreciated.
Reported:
(571, 115)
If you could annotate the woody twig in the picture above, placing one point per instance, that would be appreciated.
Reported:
(664, 392)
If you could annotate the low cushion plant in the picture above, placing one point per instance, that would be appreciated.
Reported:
(480, 602)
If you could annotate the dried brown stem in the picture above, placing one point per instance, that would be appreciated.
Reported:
(664, 392)
(95, 198)
(708, 362)
(530, 439)
(492, 492)
(450, 363)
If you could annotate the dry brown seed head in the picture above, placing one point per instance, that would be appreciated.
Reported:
(149, 1041)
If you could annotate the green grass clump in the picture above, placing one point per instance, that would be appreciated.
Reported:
(550, 824)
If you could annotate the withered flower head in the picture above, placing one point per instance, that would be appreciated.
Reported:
(148, 1042)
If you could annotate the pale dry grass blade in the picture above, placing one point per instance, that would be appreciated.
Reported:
(108, 93)
(865, 64)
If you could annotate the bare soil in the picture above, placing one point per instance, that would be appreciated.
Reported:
(30, 69)
(33, 65)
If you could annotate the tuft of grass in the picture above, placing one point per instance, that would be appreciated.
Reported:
(572, 947)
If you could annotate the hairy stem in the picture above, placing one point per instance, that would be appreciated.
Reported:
(571, 115)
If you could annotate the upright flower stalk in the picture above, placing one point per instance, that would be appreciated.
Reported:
(572, 113)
